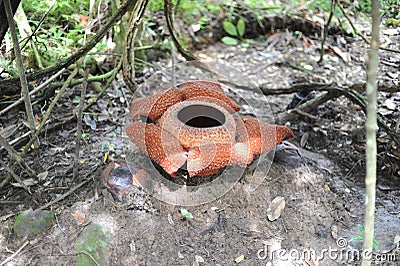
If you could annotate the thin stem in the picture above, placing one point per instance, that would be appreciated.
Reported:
(326, 28)
(371, 126)
(21, 70)
(52, 104)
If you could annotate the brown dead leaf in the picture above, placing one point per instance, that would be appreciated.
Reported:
(304, 139)
(395, 152)
(356, 107)
(359, 148)
(305, 41)
(83, 19)
(346, 57)
(382, 140)
(37, 120)
(80, 217)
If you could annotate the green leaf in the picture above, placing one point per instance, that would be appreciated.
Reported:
(357, 238)
(229, 40)
(229, 28)
(375, 244)
(241, 26)
(151, 31)
(245, 44)
(187, 214)
(392, 21)
(361, 228)
(76, 100)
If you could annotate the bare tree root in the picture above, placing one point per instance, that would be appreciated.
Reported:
(359, 87)
(38, 88)
(168, 7)
(334, 91)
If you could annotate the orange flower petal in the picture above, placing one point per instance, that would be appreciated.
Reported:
(194, 89)
(154, 106)
(160, 145)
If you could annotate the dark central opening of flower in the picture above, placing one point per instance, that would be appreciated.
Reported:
(202, 116)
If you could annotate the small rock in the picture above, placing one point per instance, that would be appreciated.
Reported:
(308, 67)
(33, 222)
(275, 208)
(197, 260)
(94, 241)
(334, 231)
(180, 256)
(321, 233)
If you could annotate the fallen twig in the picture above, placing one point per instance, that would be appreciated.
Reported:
(51, 106)
(64, 63)
(90, 256)
(334, 91)
(69, 192)
(14, 154)
(15, 253)
(303, 113)
(15, 176)
(5, 181)
(14, 141)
